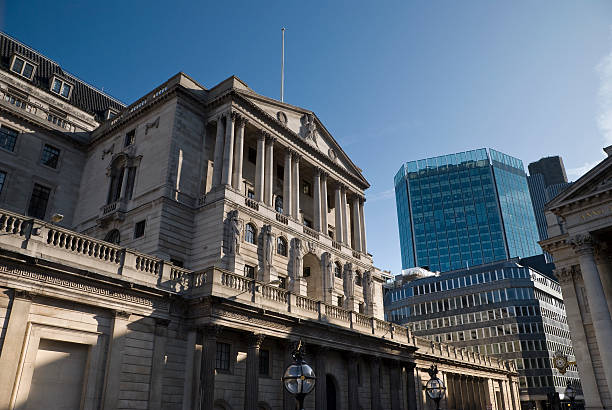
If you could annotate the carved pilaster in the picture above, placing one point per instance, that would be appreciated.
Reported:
(565, 275)
(583, 244)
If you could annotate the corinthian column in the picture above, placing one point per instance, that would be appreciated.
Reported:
(356, 225)
(296, 187)
(259, 167)
(364, 245)
(344, 220)
(269, 173)
(238, 154)
(218, 154)
(324, 202)
(339, 223)
(602, 323)
(228, 150)
(287, 184)
(316, 199)
(251, 381)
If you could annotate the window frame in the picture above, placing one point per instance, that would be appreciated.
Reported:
(267, 372)
(144, 229)
(62, 84)
(48, 200)
(3, 178)
(220, 360)
(279, 249)
(25, 61)
(250, 229)
(42, 155)
(16, 137)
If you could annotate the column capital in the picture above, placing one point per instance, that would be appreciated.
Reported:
(22, 294)
(583, 244)
(296, 156)
(565, 275)
(317, 170)
(241, 120)
(255, 339)
(324, 174)
(212, 331)
(262, 134)
(270, 139)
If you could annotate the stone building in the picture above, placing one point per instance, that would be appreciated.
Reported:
(204, 232)
(501, 309)
(579, 225)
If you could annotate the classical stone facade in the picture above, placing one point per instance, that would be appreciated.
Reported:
(579, 228)
(204, 232)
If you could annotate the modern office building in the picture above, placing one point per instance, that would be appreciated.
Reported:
(464, 209)
(551, 168)
(502, 309)
(547, 178)
(205, 231)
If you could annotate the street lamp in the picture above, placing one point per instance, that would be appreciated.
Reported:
(570, 392)
(299, 378)
(435, 388)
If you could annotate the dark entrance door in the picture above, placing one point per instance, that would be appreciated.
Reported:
(330, 385)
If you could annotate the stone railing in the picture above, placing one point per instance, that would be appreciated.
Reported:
(282, 218)
(444, 351)
(311, 232)
(337, 245)
(251, 203)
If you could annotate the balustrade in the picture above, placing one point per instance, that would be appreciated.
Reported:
(311, 232)
(282, 218)
(251, 203)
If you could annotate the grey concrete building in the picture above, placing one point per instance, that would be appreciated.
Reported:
(205, 231)
(501, 309)
(579, 225)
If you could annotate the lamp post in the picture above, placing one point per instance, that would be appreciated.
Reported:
(570, 392)
(299, 378)
(435, 388)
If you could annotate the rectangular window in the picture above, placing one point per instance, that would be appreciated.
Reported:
(139, 229)
(280, 172)
(264, 362)
(282, 282)
(222, 360)
(251, 194)
(306, 271)
(61, 87)
(252, 155)
(249, 271)
(50, 156)
(39, 201)
(8, 138)
(23, 68)
(340, 301)
(307, 188)
(130, 138)
(2, 179)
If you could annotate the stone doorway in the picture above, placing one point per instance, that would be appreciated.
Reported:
(331, 392)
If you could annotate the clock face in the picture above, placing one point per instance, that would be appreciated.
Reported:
(560, 362)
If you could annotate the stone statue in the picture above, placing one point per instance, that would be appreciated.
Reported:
(368, 289)
(233, 234)
(348, 281)
(268, 245)
(326, 267)
(297, 259)
(308, 129)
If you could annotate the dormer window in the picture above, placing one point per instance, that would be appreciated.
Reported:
(61, 87)
(22, 67)
(109, 114)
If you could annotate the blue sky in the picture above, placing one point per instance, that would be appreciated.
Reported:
(392, 81)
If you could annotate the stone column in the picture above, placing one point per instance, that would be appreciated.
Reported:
(251, 381)
(259, 167)
(228, 149)
(579, 341)
(316, 199)
(189, 377)
(356, 225)
(344, 219)
(324, 209)
(207, 374)
(465, 400)
(239, 154)
(158, 364)
(287, 184)
(218, 153)
(482, 400)
(339, 223)
(374, 382)
(114, 357)
(411, 387)
(269, 172)
(602, 323)
(603, 259)
(352, 360)
(13, 344)
(296, 187)
(320, 371)
(394, 380)
(364, 245)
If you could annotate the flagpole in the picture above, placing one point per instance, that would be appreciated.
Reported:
(282, 94)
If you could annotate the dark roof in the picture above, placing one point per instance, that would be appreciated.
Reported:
(84, 96)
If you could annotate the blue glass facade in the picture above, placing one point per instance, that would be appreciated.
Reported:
(464, 209)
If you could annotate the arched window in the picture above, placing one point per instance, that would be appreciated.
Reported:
(113, 236)
(281, 246)
(278, 204)
(358, 278)
(337, 270)
(249, 234)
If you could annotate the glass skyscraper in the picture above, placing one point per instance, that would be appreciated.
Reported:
(465, 209)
